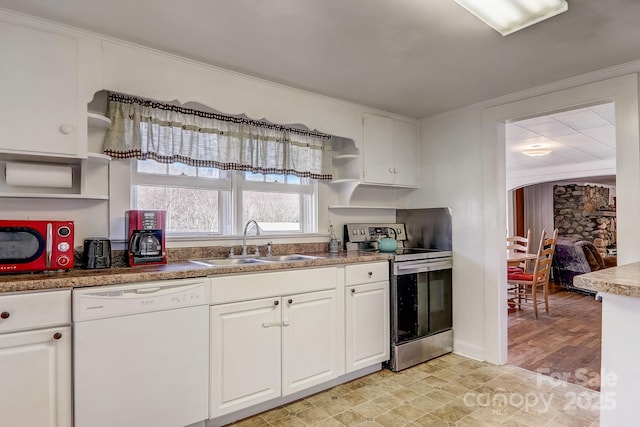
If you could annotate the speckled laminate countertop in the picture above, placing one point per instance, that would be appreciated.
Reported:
(77, 278)
(622, 280)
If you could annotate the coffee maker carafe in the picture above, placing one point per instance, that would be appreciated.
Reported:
(146, 237)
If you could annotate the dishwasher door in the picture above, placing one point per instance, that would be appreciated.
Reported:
(148, 367)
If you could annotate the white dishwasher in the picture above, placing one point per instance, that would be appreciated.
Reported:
(141, 354)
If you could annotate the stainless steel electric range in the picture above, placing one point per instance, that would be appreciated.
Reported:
(421, 295)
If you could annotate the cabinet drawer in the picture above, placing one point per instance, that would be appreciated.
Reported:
(34, 310)
(243, 287)
(366, 273)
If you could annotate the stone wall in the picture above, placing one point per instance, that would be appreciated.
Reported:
(583, 212)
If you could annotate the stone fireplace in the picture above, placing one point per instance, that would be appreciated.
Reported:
(585, 212)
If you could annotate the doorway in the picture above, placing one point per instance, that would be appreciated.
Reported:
(566, 343)
(623, 91)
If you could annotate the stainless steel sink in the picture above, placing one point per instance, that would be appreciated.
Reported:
(289, 258)
(220, 262)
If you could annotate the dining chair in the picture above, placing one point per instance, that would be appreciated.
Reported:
(523, 285)
(519, 244)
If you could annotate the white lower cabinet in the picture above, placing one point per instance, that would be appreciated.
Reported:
(35, 368)
(367, 315)
(273, 346)
(245, 355)
(35, 365)
(367, 325)
(309, 340)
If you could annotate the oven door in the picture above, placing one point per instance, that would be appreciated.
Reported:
(421, 304)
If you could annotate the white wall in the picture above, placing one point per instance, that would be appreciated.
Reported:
(464, 160)
(452, 173)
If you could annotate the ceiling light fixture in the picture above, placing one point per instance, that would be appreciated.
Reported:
(509, 16)
(539, 152)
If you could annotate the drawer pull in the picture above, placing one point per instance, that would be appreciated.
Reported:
(290, 301)
(353, 291)
(57, 336)
(370, 274)
(276, 302)
(5, 315)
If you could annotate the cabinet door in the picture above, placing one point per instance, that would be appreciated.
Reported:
(309, 340)
(35, 369)
(39, 86)
(405, 142)
(378, 149)
(367, 324)
(245, 354)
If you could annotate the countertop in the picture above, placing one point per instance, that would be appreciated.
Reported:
(77, 278)
(622, 280)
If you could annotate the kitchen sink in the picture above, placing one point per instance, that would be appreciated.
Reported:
(289, 258)
(221, 262)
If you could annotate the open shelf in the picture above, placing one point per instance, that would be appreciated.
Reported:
(344, 180)
(98, 157)
(361, 207)
(53, 196)
(345, 156)
(98, 120)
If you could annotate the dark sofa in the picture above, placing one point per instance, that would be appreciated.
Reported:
(573, 257)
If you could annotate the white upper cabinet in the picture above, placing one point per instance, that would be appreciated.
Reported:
(390, 151)
(43, 80)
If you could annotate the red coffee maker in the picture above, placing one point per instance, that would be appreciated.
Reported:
(146, 237)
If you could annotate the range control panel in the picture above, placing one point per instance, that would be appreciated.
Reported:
(358, 233)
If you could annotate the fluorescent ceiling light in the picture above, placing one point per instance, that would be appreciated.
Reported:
(508, 16)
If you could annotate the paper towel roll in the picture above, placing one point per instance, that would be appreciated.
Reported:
(38, 175)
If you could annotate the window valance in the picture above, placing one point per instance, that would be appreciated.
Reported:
(145, 129)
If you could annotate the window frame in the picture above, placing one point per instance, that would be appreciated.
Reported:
(230, 187)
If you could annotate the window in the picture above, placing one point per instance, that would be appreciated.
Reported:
(208, 201)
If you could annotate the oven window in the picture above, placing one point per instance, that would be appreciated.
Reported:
(440, 315)
(411, 314)
(423, 305)
(20, 246)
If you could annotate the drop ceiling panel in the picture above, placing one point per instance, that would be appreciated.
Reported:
(603, 134)
(578, 136)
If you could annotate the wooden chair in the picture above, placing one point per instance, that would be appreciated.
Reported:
(523, 285)
(519, 244)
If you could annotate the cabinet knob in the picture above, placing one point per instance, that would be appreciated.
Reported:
(353, 291)
(5, 315)
(290, 301)
(57, 336)
(390, 170)
(66, 129)
(395, 170)
(370, 274)
(276, 302)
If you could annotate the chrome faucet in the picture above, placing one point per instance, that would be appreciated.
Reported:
(244, 234)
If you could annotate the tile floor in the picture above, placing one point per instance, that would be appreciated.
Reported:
(447, 391)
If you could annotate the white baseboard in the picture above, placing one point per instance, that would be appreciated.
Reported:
(468, 350)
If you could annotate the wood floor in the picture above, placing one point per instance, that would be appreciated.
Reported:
(564, 344)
